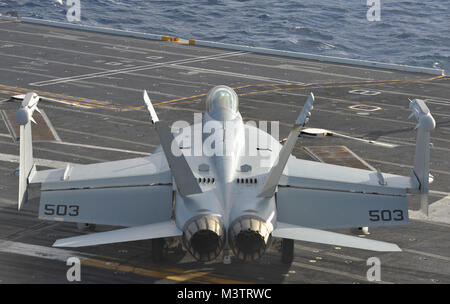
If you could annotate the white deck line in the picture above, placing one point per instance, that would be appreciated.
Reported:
(42, 252)
(220, 45)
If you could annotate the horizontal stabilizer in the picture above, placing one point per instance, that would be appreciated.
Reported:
(330, 238)
(145, 232)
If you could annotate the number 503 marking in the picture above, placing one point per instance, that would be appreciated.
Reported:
(386, 215)
(61, 210)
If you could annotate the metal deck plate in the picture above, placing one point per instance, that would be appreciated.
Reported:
(42, 131)
(337, 155)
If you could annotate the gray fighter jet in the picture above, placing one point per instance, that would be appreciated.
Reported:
(231, 186)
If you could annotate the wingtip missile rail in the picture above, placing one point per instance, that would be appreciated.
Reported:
(27, 108)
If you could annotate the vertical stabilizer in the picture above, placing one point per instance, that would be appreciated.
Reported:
(273, 177)
(184, 178)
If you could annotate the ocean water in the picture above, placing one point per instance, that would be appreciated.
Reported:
(415, 32)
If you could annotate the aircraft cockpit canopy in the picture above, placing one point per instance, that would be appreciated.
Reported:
(222, 103)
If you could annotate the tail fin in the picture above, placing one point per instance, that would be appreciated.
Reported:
(421, 171)
(182, 173)
(274, 175)
(27, 167)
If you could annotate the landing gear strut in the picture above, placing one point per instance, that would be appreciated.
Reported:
(287, 251)
(157, 250)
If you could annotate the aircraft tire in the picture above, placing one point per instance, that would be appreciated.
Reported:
(287, 251)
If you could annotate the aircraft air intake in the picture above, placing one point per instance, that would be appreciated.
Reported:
(249, 237)
(204, 237)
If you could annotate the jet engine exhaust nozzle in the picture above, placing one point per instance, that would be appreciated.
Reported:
(249, 237)
(204, 237)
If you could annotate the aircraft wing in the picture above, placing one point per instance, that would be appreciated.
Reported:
(127, 193)
(318, 195)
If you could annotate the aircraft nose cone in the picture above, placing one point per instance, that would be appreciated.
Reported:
(249, 237)
(204, 237)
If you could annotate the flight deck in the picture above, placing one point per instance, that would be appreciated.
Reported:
(91, 86)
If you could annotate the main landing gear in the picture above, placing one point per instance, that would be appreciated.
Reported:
(287, 251)
(157, 250)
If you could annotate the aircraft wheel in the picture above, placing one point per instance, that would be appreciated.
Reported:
(157, 250)
(287, 251)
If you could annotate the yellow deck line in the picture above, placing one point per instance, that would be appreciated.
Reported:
(173, 274)
(7, 21)
(62, 97)
(278, 87)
